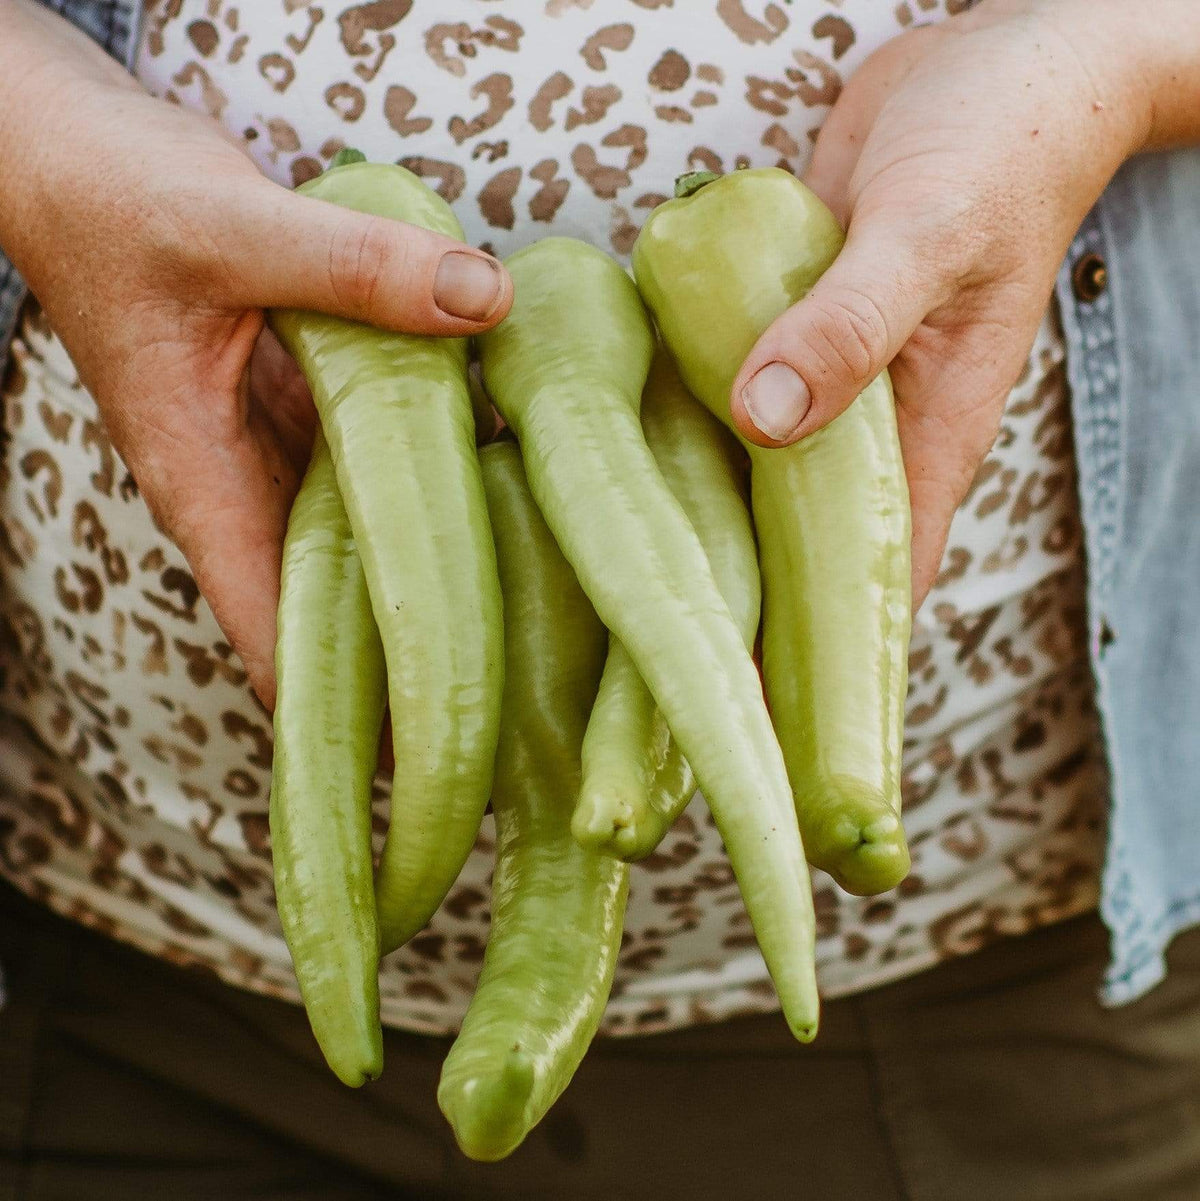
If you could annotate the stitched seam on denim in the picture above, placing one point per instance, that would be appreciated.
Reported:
(1089, 330)
(1138, 945)
(1096, 405)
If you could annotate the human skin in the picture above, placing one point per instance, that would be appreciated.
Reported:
(961, 156)
(153, 244)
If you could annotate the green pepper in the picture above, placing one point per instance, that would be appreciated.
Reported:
(636, 780)
(328, 650)
(397, 412)
(566, 370)
(716, 266)
(557, 910)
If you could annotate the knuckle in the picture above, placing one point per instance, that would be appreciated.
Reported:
(185, 248)
(954, 248)
(852, 337)
(362, 256)
(183, 226)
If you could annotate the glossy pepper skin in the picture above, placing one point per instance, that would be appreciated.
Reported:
(557, 910)
(397, 412)
(636, 781)
(716, 266)
(327, 651)
(566, 369)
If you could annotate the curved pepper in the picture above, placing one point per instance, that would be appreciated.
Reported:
(636, 781)
(566, 370)
(716, 266)
(398, 415)
(327, 650)
(556, 910)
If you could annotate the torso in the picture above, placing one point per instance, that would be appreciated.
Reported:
(135, 764)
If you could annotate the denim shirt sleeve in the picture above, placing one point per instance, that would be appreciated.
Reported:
(112, 23)
(1129, 294)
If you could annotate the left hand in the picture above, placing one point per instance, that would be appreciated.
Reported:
(962, 158)
(154, 245)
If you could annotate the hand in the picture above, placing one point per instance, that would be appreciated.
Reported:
(153, 244)
(962, 158)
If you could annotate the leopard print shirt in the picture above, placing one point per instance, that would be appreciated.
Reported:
(134, 762)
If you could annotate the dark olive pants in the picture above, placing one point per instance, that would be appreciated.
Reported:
(995, 1077)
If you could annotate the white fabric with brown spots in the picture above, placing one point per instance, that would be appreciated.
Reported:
(134, 762)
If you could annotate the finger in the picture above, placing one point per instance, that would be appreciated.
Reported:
(231, 533)
(815, 358)
(947, 424)
(222, 492)
(280, 392)
(934, 497)
(292, 251)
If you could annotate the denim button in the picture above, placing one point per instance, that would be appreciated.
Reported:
(1089, 278)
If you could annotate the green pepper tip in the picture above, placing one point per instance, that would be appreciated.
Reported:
(861, 844)
(805, 1032)
(489, 1113)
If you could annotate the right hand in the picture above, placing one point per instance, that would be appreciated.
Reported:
(962, 157)
(153, 245)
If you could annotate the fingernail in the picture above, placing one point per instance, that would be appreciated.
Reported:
(467, 285)
(776, 400)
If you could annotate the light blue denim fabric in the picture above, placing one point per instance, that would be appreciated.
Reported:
(1134, 366)
(1133, 359)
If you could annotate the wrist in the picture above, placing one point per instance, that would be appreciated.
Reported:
(44, 63)
(51, 77)
(1144, 72)
(1108, 39)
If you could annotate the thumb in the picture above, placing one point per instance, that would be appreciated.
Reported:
(302, 253)
(816, 357)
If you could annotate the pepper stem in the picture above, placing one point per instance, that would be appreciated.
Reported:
(693, 181)
(347, 155)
